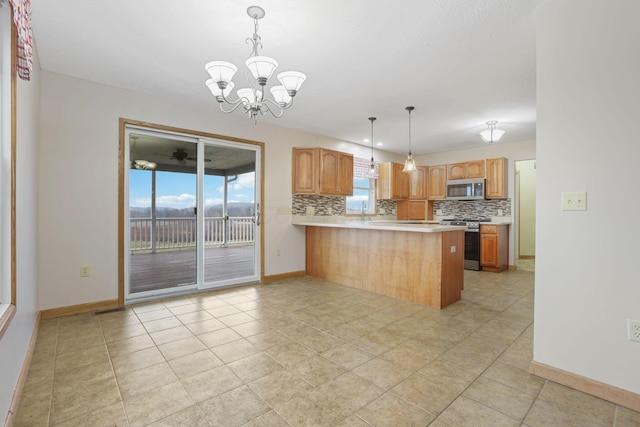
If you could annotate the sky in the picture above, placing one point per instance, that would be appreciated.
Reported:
(178, 190)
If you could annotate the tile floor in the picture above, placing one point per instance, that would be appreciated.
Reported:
(305, 352)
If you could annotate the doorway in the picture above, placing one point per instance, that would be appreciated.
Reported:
(525, 214)
(192, 216)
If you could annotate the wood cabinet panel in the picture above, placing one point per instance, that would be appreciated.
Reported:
(322, 171)
(418, 183)
(496, 186)
(392, 183)
(474, 169)
(494, 247)
(436, 182)
(305, 171)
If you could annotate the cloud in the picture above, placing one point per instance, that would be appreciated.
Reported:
(244, 181)
(183, 200)
(209, 202)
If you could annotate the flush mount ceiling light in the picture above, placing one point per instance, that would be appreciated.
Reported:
(409, 164)
(252, 98)
(372, 165)
(491, 134)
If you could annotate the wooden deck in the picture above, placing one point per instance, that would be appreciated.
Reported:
(178, 268)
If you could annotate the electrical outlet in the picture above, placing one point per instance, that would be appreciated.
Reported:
(633, 327)
(574, 201)
(500, 212)
(453, 249)
(278, 252)
(84, 271)
(311, 210)
(438, 211)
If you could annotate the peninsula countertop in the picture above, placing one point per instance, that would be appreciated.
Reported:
(413, 226)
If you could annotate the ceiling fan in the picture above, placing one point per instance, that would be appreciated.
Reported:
(181, 156)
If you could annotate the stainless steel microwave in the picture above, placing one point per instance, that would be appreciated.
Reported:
(466, 189)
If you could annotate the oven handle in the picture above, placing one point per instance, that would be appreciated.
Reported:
(472, 230)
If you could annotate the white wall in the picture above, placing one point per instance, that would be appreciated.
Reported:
(514, 151)
(14, 343)
(587, 282)
(79, 181)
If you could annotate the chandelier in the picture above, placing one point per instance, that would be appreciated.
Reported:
(491, 134)
(259, 69)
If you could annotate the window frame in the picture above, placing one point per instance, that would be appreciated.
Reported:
(8, 309)
(371, 211)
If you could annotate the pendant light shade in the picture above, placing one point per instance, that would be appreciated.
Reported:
(373, 173)
(491, 134)
(409, 164)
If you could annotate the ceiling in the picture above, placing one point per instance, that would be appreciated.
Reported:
(459, 62)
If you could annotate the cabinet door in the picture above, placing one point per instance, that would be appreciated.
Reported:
(436, 181)
(418, 183)
(456, 171)
(475, 169)
(400, 182)
(496, 178)
(489, 250)
(305, 171)
(329, 172)
(346, 174)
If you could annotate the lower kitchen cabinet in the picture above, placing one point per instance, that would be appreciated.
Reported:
(494, 247)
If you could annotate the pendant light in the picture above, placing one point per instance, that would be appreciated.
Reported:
(491, 134)
(409, 164)
(372, 165)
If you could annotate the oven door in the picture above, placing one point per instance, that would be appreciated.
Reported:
(472, 250)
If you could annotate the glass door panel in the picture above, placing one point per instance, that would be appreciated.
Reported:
(162, 214)
(230, 252)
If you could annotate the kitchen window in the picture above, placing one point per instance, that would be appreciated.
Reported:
(364, 190)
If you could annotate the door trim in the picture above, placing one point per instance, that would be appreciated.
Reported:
(122, 168)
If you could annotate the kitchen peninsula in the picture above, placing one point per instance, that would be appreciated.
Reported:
(422, 262)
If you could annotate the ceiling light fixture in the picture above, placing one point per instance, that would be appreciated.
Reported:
(252, 98)
(139, 163)
(409, 164)
(491, 134)
(372, 166)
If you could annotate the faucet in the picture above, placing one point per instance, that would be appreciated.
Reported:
(362, 211)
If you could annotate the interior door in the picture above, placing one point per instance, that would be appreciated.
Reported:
(193, 213)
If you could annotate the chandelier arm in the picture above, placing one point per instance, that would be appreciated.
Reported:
(236, 104)
(266, 102)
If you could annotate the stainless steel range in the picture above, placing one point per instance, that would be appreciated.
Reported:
(471, 239)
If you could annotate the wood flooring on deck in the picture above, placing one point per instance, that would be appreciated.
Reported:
(178, 268)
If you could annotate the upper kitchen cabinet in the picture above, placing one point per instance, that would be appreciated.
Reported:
(466, 170)
(496, 186)
(392, 182)
(336, 173)
(322, 171)
(436, 180)
(418, 183)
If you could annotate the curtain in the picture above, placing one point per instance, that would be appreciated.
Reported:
(22, 19)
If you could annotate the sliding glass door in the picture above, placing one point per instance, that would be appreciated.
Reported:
(193, 214)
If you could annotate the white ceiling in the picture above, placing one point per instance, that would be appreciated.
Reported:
(459, 62)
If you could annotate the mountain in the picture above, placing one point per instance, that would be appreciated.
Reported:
(233, 209)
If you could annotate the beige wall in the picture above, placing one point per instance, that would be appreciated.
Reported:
(587, 140)
(79, 177)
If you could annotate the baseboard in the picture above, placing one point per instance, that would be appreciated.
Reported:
(527, 257)
(283, 276)
(17, 392)
(80, 308)
(587, 385)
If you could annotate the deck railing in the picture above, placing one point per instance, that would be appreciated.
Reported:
(178, 233)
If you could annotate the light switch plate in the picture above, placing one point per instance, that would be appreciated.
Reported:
(574, 201)
(284, 210)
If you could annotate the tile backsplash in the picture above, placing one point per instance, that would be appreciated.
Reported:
(332, 205)
(472, 208)
(335, 206)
